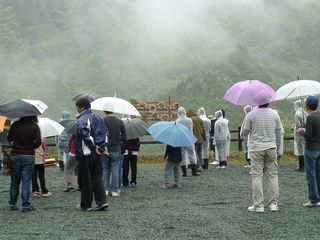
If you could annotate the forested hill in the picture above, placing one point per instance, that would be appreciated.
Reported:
(150, 49)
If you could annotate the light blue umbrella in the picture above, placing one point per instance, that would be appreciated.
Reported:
(172, 133)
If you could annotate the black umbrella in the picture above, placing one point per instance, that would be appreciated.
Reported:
(22, 108)
(135, 128)
(70, 125)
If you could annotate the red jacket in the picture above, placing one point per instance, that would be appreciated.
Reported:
(132, 145)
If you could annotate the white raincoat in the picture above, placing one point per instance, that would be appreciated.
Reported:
(246, 110)
(221, 137)
(188, 154)
(207, 128)
(300, 117)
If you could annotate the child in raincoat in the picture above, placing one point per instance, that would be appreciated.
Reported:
(172, 168)
(39, 171)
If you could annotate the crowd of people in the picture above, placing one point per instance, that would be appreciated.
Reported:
(100, 155)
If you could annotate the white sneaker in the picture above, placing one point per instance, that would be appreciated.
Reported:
(310, 204)
(273, 207)
(107, 193)
(218, 167)
(256, 209)
(214, 163)
(223, 167)
(247, 166)
(115, 194)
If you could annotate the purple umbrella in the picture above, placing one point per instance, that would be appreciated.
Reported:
(250, 92)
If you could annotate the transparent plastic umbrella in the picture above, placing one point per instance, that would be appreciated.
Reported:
(298, 89)
(49, 128)
(115, 105)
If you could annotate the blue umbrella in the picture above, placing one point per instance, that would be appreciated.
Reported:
(172, 133)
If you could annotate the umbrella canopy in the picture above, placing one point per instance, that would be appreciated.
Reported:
(172, 133)
(115, 105)
(22, 108)
(297, 89)
(49, 128)
(245, 93)
(70, 125)
(135, 128)
(2, 122)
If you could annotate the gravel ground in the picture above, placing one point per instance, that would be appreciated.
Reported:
(211, 206)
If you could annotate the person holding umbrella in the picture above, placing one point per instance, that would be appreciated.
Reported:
(130, 156)
(135, 128)
(26, 137)
(264, 126)
(172, 168)
(112, 163)
(311, 133)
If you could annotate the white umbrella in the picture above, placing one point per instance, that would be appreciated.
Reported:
(297, 89)
(49, 127)
(114, 104)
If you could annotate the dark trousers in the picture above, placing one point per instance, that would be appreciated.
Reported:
(132, 159)
(90, 180)
(198, 148)
(38, 172)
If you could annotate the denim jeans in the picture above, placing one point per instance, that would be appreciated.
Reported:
(111, 168)
(312, 167)
(22, 167)
(120, 172)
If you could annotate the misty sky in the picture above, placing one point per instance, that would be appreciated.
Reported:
(138, 43)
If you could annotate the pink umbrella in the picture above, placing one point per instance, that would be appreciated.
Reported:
(250, 92)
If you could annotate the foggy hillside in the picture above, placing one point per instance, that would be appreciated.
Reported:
(192, 50)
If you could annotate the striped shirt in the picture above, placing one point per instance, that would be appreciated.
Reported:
(264, 126)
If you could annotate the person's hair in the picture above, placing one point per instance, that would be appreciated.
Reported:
(312, 107)
(312, 103)
(29, 119)
(83, 102)
(264, 105)
(108, 112)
